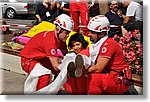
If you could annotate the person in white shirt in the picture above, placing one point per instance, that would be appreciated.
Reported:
(134, 9)
(134, 15)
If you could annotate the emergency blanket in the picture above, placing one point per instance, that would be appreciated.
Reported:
(43, 26)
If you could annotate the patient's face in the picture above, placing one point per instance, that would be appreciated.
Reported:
(77, 46)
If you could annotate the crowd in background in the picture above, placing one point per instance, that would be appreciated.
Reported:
(118, 13)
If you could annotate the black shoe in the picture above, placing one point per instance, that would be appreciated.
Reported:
(71, 69)
(79, 65)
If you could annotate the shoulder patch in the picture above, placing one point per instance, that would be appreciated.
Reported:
(104, 50)
(53, 51)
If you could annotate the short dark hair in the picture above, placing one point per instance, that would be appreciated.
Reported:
(79, 38)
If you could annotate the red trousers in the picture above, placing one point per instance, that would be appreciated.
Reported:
(28, 65)
(98, 83)
(76, 86)
(79, 9)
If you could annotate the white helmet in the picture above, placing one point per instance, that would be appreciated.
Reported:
(99, 23)
(65, 22)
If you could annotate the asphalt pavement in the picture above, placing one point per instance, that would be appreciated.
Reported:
(12, 82)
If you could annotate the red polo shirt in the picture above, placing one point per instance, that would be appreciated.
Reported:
(111, 49)
(41, 45)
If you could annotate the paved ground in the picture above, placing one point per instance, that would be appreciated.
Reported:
(12, 83)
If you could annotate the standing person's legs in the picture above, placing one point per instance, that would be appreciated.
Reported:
(84, 18)
(75, 17)
(74, 12)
